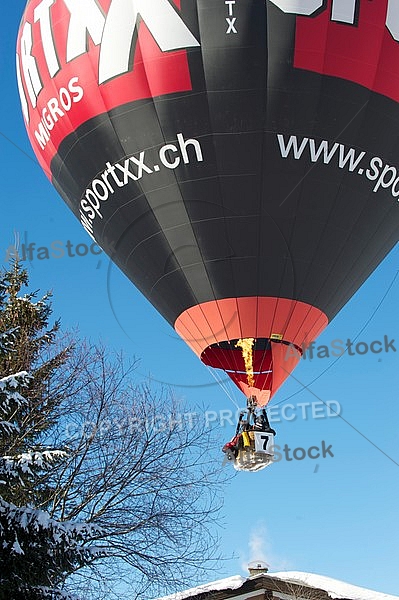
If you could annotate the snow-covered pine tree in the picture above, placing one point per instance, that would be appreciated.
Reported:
(104, 483)
(37, 552)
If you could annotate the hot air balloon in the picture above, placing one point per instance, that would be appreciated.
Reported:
(237, 160)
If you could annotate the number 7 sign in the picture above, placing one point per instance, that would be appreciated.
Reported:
(264, 442)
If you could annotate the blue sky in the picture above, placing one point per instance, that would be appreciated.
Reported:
(336, 516)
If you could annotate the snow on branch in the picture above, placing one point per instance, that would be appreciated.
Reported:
(13, 466)
(13, 381)
(30, 520)
(10, 398)
(8, 428)
(7, 339)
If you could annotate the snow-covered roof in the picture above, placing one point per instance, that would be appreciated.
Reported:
(230, 583)
(335, 588)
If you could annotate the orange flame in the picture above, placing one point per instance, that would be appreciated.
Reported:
(246, 345)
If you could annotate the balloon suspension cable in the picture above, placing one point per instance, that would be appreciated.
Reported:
(223, 385)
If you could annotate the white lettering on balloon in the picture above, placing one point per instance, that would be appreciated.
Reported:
(231, 19)
(115, 33)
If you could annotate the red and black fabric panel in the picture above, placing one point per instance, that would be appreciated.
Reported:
(246, 183)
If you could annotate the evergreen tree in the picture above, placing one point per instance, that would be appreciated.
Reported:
(103, 482)
(37, 552)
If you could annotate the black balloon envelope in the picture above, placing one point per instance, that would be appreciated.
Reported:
(238, 160)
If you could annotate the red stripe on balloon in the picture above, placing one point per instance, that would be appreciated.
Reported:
(259, 317)
(154, 73)
(282, 319)
(364, 52)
